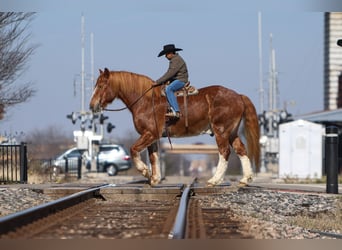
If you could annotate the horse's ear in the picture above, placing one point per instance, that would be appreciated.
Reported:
(100, 71)
(106, 73)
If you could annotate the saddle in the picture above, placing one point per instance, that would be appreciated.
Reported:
(185, 92)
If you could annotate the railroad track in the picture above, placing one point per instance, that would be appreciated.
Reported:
(127, 211)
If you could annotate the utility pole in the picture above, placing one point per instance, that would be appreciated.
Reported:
(261, 95)
(92, 77)
(261, 87)
(82, 66)
(269, 120)
(273, 79)
(88, 138)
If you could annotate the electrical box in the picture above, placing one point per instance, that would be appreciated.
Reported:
(300, 149)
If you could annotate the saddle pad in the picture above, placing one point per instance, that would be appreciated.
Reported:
(190, 90)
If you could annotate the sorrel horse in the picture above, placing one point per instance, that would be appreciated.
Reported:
(215, 109)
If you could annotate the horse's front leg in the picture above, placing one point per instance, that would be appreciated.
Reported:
(144, 141)
(155, 164)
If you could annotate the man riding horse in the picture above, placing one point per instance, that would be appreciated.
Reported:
(177, 75)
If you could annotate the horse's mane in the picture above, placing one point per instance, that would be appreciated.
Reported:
(129, 82)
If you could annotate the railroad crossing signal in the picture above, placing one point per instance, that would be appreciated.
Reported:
(90, 116)
(103, 118)
(269, 121)
(110, 127)
(73, 117)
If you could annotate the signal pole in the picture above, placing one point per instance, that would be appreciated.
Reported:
(88, 133)
(92, 79)
(261, 95)
(261, 87)
(82, 65)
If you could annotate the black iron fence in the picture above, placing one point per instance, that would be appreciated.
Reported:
(61, 169)
(13, 163)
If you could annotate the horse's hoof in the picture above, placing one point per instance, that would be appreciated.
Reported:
(145, 173)
(212, 183)
(154, 182)
(246, 180)
(242, 184)
(209, 184)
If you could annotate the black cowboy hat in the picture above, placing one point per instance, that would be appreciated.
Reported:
(168, 48)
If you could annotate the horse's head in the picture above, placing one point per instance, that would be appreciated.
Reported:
(103, 93)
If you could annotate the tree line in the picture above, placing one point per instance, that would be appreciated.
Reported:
(15, 52)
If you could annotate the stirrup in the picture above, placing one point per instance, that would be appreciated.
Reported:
(173, 114)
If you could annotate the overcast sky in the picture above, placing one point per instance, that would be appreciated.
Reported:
(219, 41)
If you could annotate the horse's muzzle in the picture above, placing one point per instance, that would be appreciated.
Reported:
(95, 107)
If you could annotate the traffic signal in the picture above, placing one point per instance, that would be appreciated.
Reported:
(110, 127)
(285, 116)
(72, 117)
(261, 119)
(103, 118)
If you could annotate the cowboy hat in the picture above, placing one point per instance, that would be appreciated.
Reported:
(167, 49)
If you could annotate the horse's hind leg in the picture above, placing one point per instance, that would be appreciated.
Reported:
(155, 164)
(224, 152)
(241, 152)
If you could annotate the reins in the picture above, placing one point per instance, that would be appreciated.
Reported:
(137, 100)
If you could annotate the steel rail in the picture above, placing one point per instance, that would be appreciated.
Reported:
(327, 234)
(178, 230)
(11, 222)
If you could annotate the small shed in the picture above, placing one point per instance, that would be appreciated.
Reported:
(300, 149)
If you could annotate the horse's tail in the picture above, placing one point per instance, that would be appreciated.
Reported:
(251, 131)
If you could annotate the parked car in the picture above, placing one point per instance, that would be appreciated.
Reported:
(57, 165)
(72, 155)
(112, 158)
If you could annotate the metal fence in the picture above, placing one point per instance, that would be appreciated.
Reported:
(65, 168)
(13, 163)
(70, 168)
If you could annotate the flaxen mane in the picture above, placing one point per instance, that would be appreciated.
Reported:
(129, 82)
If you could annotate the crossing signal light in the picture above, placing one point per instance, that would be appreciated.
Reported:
(72, 117)
(110, 127)
(103, 118)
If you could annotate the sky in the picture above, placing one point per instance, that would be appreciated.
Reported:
(219, 41)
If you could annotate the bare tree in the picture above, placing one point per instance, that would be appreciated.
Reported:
(14, 54)
(48, 142)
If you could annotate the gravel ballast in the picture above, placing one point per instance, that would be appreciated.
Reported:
(266, 213)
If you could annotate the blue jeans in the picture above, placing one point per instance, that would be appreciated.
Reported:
(170, 90)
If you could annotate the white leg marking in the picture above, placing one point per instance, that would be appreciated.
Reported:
(246, 169)
(156, 175)
(141, 166)
(220, 171)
